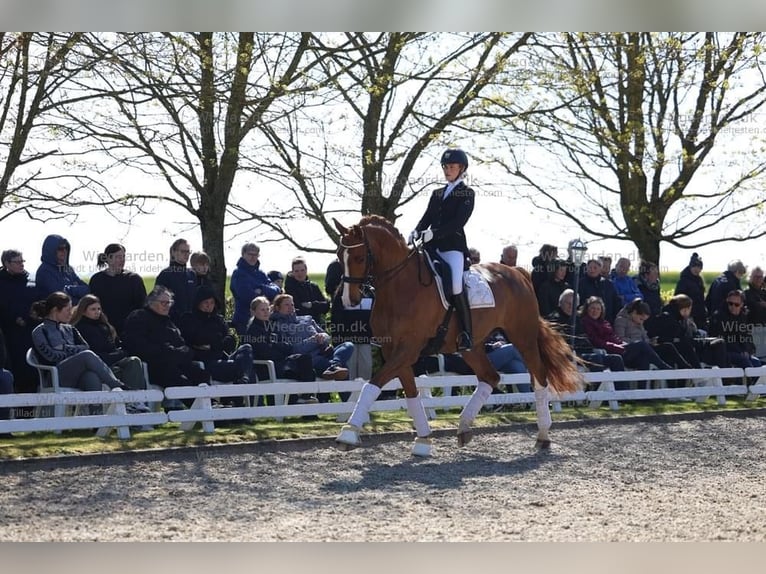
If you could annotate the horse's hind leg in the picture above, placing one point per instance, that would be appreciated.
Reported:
(484, 370)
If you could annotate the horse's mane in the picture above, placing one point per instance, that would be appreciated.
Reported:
(381, 221)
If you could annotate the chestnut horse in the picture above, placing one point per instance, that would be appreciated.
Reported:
(408, 310)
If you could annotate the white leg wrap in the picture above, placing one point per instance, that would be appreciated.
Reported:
(543, 412)
(418, 414)
(367, 396)
(477, 400)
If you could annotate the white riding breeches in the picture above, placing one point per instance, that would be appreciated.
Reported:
(455, 260)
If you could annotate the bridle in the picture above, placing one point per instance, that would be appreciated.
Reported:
(367, 278)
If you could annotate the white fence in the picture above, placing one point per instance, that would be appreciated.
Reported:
(645, 385)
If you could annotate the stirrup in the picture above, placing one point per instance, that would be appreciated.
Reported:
(464, 342)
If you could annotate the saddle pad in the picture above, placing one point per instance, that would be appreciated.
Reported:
(477, 287)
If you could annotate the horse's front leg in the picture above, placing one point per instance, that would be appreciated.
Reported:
(543, 416)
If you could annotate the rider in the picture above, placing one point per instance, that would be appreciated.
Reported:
(442, 224)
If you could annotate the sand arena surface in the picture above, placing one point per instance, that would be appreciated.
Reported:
(680, 478)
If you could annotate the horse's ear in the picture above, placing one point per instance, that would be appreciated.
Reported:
(342, 230)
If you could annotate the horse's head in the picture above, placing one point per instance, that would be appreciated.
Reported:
(367, 250)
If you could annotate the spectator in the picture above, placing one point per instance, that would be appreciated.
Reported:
(592, 284)
(474, 255)
(265, 341)
(205, 331)
(629, 327)
(594, 361)
(179, 279)
(606, 265)
(352, 324)
(56, 342)
(648, 283)
(724, 284)
(543, 264)
(307, 295)
(151, 334)
(691, 283)
(509, 256)
(550, 289)
(247, 283)
(276, 278)
(119, 291)
(17, 293)
(101, 336)
(308, 338)
(637, 355)
(731, 325)
(755, 297)
(6, 384)
(333, 277)
(55, 273)
(624, 285)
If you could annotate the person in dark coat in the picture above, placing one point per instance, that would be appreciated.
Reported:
(307, 295)
(648, 283)
(120, 291)
(593, 284)
(265, 340)
(543, 265)
(179, 279)
(725, 283)
(731, 324)
(755, 297)
(333, 277)
(55, 273)
(551, 289)
(17, 294)
(691, 283)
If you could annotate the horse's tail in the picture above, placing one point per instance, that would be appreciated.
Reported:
(558, 360)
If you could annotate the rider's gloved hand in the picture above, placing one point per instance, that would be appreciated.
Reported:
(426, 236)
(414, 234)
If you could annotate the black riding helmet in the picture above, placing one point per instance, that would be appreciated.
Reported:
(455, 156)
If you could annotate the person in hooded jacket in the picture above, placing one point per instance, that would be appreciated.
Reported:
(206, 332)
(17, 294)
(247, 283)
(55, 273)
(692, 284)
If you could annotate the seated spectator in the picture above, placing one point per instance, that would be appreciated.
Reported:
(119, 291)
(731, 325)
(629, 327)
(648, 283)
(205, 331)
(724, 284)
(675, 325)
(179, 279)
(55, 273)
(624, 285)
(594, 361)
(691, 283)
(308, 338)
(509, 255)
(276, 278)
(247, 283)
(307, 295)
(551, 289)
(92, 323)
(6, 384)
(543, 264)
(755, 297)
(17, 293)
(262, 336)
(352, 325)
(637, 355)
(152, 335)
(56, 342)
(592, 284)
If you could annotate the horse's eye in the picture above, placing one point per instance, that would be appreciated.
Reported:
(359, 259)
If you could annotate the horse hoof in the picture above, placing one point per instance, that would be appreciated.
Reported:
(423, 447)
(543, 444)
(463, 438)
(348, 438)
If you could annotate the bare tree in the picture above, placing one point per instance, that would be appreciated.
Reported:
(394, 96)
(645, 136)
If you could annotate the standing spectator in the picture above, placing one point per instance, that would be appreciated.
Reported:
(509, 255)
(691, 283)
(151, 335)
(6, 384)
(624, 285)
(724, 284)
(55, 273)
(592, 284)
(17, 293)
(200, 265)
(731, 325)
(247, 283)
(276, 278)
(648, 283)
(56, 342)
(755, 297)
(606, 265)
(352, 325)
(179, 279)
(119, 291)
(91, 322)
(333, 277)
(307, 295)
(550, 289)
(543, 264)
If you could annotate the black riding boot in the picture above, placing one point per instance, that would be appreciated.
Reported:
(464, 340)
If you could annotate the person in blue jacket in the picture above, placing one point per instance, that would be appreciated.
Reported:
(247, 283)
(55, 273)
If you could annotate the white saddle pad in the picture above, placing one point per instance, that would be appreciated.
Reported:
(476, 284)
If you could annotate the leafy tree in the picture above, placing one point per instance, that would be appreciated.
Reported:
(644, 136)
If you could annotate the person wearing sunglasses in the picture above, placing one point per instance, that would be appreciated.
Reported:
(731, 324)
